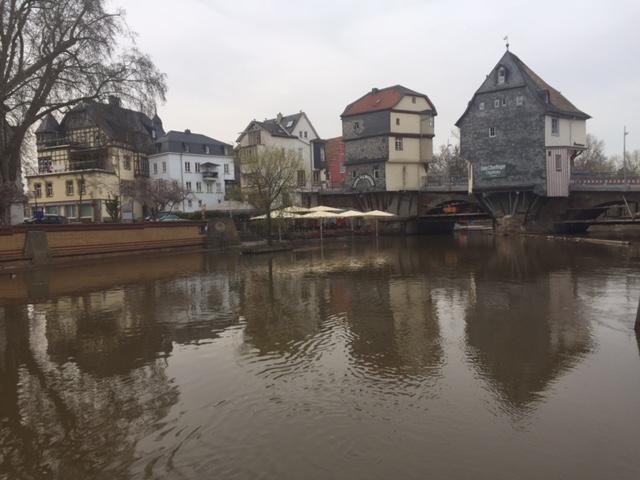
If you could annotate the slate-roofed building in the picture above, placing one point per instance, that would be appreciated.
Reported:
(94, 154)
(202, 165)
(520, 133)
(388, 136)
(292, 132)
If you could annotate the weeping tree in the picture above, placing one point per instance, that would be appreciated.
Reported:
(269, 179)
(55, 54)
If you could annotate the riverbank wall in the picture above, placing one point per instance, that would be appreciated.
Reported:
(27, 245)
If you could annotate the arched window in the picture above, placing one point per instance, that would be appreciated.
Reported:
(502, 75)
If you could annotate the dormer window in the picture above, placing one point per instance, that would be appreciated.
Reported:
(153, 134)
(207, 149)
(502, 75)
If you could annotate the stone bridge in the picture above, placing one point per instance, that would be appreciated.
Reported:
(442, 202)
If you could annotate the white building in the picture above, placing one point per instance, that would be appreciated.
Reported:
(291, 132)
(202, 165)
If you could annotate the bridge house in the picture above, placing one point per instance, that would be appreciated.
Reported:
(388, 137)
(519, 133)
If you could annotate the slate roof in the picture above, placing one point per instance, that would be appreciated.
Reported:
(558, 103)
(280, 129)
(551, 100)
(191, 138)
(49, 124)
(382, 99)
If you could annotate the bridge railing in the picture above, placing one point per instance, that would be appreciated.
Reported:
(444, 182)
(579, 178)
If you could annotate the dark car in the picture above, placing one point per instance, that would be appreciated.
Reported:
(48, 219)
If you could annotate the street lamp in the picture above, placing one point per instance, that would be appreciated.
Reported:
(624, 150)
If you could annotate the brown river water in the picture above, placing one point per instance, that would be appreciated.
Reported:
(427, 357)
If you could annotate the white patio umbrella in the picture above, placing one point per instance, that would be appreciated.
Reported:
(295, 209)
(351, 214)
(320, 214)
(322, 208)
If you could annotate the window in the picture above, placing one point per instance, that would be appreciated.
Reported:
(126, 162)
(186, 148)
(300, 134)
(353, 174)
(504, 102)
(399, 144)
(209, 187)
(376, 173)
(190, 202)
(155, 168)
(496, 103)
(164, 167)
(82, 188)
(413, 99)
(305, 134)
(199, 203)
(207, 149)
(558, 162)
(37, 190)
(218, 187)
(519, 100)
(49, 189)
(316, 177)
(555, 127)
(226, 168)
(45, 165)
(492, 132)
(69, 187)
(187, 166)
(301, 178)
(397, 121)
(70, 211)
(481, 106)
(289, 124)
(356, 127)
(199, 187)
(343, 169)
(188, 185)
(153, 134)
(502, 75)
(197, 167)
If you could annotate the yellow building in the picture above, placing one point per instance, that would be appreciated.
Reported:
(93, 155)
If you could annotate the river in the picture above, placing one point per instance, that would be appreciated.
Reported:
(454, 357)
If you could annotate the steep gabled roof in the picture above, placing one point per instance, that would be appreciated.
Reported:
(557, 102)
(551, 100)
(49, 124)
(382, 99)
(285, 127)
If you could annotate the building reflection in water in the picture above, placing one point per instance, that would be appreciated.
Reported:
(83, 371)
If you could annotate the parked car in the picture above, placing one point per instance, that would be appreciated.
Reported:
(171, 217)
(48, 218)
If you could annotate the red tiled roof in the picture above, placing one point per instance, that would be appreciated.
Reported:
(381, 99)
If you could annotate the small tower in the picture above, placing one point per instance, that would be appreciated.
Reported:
(48, 130)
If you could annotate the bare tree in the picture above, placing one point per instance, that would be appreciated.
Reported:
(593, 159)
(55, 54)
(448, 163)
(269, 179)
(158, 195)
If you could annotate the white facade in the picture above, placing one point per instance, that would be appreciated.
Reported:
(294, 133)
(203, 175)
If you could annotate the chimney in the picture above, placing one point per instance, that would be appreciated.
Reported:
(113, 100)
(374, 90)
(279, 117)
(187, 131)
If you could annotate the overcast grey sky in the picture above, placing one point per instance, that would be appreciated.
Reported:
(231, 61)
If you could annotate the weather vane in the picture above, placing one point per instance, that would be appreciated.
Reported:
(506, 39)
